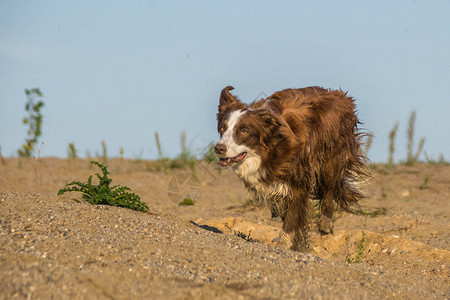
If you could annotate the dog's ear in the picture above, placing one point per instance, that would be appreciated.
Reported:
(227, 100)
(270, 120)
(270, 126)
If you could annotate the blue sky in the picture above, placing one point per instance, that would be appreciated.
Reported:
(119, 71)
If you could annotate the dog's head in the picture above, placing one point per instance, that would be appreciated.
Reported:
(244, 132)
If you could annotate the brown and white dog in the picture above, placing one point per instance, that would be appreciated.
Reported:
(295, 145)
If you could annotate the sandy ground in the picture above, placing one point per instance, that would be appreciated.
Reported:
(61, 247)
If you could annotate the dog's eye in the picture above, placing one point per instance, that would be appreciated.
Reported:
(222, 128)
(244, 131)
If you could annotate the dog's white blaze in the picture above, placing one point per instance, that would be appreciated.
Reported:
(248, 169)
(227, 139)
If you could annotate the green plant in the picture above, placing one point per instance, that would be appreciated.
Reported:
(375, 212)
(104, 194)
(361, 248)
(244, 236)
(104, 152)
(158, 145)
(424, 184)
(33, 120)
(413, 157)
(184, 160)
(121, 152)
(186, 202)
(209, 155)
(432, 161)
(72, 152)
(392, 135)
(162, 162)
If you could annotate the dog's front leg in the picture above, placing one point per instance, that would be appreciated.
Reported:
(294, 233)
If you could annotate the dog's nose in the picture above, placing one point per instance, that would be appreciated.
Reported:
(220, 149)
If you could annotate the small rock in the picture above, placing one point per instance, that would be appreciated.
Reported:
(405, 193)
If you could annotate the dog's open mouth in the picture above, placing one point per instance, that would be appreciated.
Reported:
(233, 160)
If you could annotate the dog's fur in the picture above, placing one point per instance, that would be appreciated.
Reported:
(295, 145)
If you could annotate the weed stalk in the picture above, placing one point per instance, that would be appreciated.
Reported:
(72, 152)
(1, 157)
(392, 135)
(33, 120)
(413, 157)
(104, 152)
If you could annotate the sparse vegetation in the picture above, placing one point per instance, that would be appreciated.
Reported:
(424, 184)
(88, 155)
(431, 160)
(186, 202)
(361, 248)
(33, 120)
(367, 146)
(1, 157)
(158, 146)
(121, 153)
(368, 143)
(103, 193)
(139, 157)
(209, 155)
(375, 212)
(72, 152)
(162, 162)
(244, 236)
(392, 135)
(442, 160)
(104, 152)
(413, 157)
(184, 160)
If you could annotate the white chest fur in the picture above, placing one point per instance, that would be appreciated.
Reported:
(249, 171)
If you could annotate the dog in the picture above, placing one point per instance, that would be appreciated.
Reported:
(296, 145)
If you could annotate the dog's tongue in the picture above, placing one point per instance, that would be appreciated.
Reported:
(226, 161)
(240, 156)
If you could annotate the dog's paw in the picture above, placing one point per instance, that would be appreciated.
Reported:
(325, 225)
(284, 241)
(292, 241)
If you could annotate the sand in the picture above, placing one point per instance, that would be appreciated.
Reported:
(61, 247)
